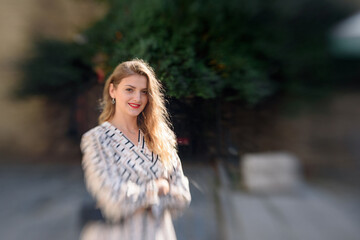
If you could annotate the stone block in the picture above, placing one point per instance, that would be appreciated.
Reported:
(272, 172)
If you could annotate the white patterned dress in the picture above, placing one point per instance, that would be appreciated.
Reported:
(121, 177)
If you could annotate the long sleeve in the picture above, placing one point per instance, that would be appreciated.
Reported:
(116, 196)
(179, 197)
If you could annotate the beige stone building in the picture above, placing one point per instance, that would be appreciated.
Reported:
(25, 129)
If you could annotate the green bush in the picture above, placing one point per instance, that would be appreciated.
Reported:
(57, 70)
(233, 49)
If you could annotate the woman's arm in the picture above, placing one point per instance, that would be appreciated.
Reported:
(116, 197)
(178, 197)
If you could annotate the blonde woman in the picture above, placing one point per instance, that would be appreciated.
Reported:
(130, 162)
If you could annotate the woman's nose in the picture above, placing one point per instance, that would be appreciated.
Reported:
(137, 96)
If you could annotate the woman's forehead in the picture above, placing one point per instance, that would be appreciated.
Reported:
(137, 81)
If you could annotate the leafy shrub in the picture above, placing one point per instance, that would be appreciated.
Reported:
(234, 49)
(57, 69)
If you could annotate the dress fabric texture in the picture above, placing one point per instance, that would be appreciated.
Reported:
(121, 177)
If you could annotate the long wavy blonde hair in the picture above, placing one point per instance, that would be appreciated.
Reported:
(154, 119)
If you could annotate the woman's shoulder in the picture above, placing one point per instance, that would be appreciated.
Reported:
(94, 131)
(93, 137)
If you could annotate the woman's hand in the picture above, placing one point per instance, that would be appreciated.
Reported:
(163, 186)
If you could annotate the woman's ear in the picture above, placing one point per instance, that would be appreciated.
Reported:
(112, 90)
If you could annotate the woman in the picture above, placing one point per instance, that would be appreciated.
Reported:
(130, 162)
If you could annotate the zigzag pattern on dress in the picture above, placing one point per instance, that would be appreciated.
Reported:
(121, 176)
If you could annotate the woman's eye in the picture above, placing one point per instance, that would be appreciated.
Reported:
(145, 92)
(129, 90)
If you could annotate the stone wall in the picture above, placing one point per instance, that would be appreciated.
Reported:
(25, 128)
(324, 135)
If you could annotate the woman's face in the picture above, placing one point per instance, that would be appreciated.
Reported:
(131, 95)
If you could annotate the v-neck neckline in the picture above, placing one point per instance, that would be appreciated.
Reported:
(124, 135)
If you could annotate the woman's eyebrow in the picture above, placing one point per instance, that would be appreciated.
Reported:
(135, 87)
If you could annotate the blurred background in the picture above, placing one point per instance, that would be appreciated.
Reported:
(263, 95)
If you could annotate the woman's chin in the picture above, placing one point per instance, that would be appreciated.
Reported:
(134, 113)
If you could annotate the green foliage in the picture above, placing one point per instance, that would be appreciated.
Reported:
(57, 70)
(236, 49)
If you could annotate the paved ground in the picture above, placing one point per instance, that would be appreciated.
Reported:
(44, 202)
(322, 210)
(39, 203)
(308, 216)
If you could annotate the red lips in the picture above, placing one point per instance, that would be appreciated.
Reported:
(134, 105)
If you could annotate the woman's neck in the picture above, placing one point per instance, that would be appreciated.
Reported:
(127, 124)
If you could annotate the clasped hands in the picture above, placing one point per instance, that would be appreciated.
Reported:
(163, 186)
